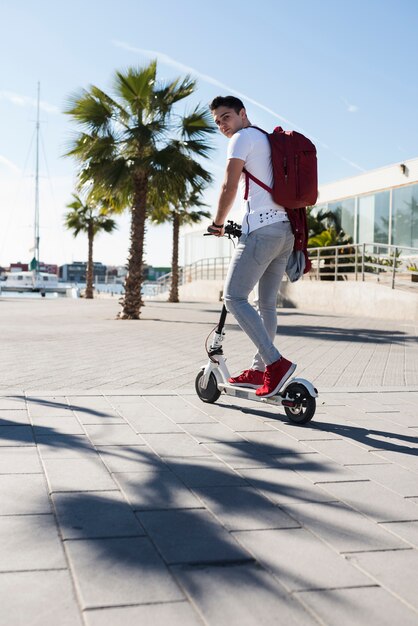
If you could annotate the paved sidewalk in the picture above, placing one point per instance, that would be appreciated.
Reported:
(129, 500)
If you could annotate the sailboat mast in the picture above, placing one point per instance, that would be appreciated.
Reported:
(36, 233)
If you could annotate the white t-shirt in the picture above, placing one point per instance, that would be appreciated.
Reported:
(252, 146)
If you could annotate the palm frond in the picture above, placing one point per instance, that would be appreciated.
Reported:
(89, 110)
(135, 86)
(197, 124)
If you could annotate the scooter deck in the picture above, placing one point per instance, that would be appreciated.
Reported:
(249, 394)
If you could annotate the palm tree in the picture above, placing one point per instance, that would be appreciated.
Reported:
(91, 219)
(130, 144)
(177, 210)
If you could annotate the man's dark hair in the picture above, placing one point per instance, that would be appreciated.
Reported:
(227, 101)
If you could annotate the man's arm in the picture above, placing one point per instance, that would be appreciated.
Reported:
(228, 190)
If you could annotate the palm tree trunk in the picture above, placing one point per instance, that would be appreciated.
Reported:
(174, 290)
(89, 276)
(132, 300)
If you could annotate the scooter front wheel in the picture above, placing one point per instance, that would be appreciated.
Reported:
(211, 393)
(305, 404)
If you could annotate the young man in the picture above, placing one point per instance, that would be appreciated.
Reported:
(263, 250)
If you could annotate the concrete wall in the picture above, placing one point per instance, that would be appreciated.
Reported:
(346, 298)
(351, 298)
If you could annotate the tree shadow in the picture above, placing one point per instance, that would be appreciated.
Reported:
(180, 512)
(368, 436)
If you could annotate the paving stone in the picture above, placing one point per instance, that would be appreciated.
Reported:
(178, 409)
(30, 542)
(134, 406)
(78, 475)
(397, 571)
(14, 417)
(408, 531)
(56, 424)
(38, 599)
(407, 459)
(95, 514)
(113, 435)
(102, 417)
(122, 571)
(12, 403)
(397, 479)
(243, 508)
(374, 501)
(159, 423)
(65, 447)
(318, 469)
(192, 536)
(40, 407)
(309, 432)
(205, 471)
(23, 494)
(176, 444)
(382, 434)
(95, 411)
(344, 452)
(241, 455)
(275, 443)
(212, 433)
(20, 460)
(242, 594)
(240, 421)
(172, 613)
(293, 557)
(343, 528)
(130, 458)
(16, 436)
(368, 606)
(282, 486)
(156, 490)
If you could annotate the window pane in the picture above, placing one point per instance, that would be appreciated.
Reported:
(344, 211)
(405, 216)
(373, 218)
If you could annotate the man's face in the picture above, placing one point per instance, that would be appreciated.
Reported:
(228, 121)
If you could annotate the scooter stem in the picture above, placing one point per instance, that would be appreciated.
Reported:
(222, 319)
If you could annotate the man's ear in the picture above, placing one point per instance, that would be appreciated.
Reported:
(243, 114)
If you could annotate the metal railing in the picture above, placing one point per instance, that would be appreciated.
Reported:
(393, 265)
(396, 266)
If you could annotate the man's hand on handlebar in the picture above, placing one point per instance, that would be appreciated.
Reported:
(216, 229)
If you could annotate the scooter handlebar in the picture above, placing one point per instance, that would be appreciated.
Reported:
(231, 229)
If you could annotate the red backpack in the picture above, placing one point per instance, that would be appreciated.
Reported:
(295, 169)
(295, 186)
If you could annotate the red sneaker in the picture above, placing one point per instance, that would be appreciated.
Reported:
(275, 377)
(248, 378)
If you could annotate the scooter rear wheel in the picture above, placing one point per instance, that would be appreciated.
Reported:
(305, 407)
(211, 393)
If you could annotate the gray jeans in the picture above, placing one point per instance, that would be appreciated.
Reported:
(259, 257)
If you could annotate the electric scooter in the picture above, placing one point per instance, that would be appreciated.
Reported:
(297, 397)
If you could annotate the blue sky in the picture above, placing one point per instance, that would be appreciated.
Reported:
(342, 72)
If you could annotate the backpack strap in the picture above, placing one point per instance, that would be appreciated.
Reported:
(253, 178)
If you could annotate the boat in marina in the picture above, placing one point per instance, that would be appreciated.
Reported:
(35, 281)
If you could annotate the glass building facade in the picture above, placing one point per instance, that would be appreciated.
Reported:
(389, 216)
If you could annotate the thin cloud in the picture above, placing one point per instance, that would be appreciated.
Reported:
(9, 164)
(167, 60)
(351, 108)
(26, 101)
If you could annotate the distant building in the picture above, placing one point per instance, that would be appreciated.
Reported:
(19, 267)
(116, 274)
(76, 272)
(154, 273)
(48, 268)
(379, 206)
